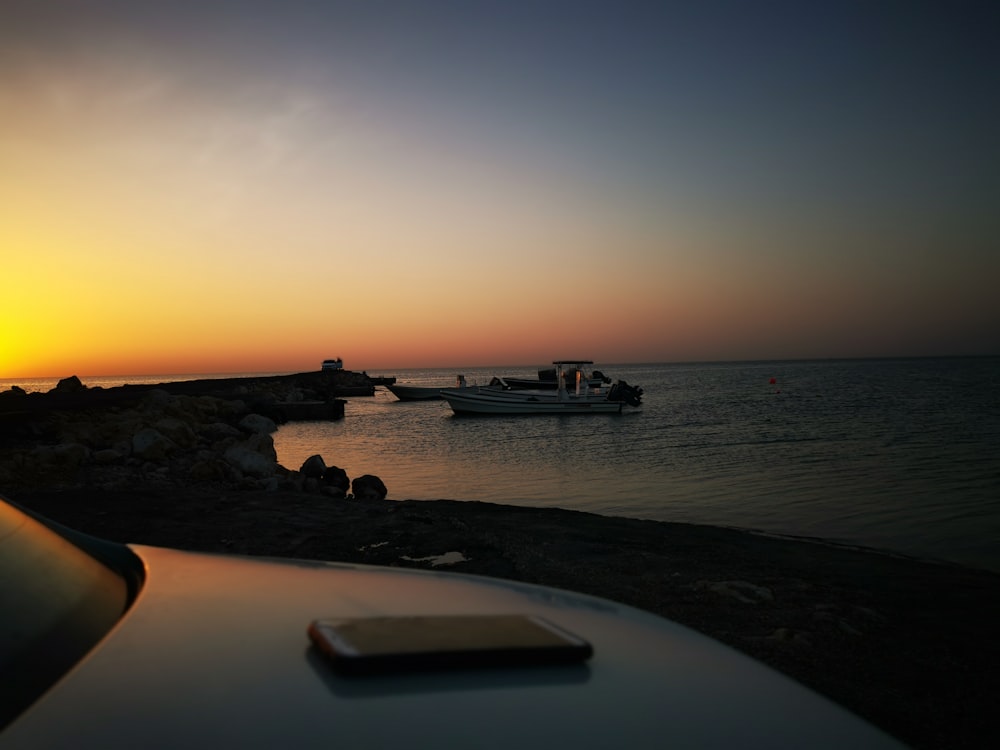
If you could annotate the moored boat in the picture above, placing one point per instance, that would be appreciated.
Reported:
(405, 392)
(548, 378)
(494, 400)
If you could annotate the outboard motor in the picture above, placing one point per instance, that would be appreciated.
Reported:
(598, 375)
(628, 394)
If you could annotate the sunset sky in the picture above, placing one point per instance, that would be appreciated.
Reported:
(193, 187)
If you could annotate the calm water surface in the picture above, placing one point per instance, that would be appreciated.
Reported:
(902, 455)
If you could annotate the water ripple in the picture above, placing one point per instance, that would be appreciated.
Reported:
(901, 454)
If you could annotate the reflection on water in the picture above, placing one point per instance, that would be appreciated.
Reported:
(896, 454)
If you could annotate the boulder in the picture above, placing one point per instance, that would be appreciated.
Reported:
(263, 444)
(207, 470)
(151, 445)
(313, 467)
(156, 400)
(258, 423)
(174, 433)
(249, 462)
(336, 479)
(369, 487)
(253, 457)
(332, 491)
(72, 384)
(215, 431)
(179, 432)
(64, 455)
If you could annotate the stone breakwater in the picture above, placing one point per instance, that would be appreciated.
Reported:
(215, 433)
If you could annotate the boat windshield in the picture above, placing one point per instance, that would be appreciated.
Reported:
(61, 592)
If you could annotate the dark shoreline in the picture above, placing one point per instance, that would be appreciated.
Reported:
(909, 645)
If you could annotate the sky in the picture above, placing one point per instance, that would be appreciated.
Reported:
(194, 187)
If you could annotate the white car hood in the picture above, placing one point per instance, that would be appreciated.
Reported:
(214, 652)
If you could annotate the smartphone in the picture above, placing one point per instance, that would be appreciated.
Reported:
(371, 645)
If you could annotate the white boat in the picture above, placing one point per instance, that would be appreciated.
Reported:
(333, 364)
(548, 378)
(405, 392)
(581, 400)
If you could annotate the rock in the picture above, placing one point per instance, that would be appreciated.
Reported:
(72, 384)
(207, 470)
(65, 455)
(174, 433)
(263, 444)
(151, 445)
(254, 457)
(336, 478)
(249, 462)
(313, 467)
(71, 454)
(369, 487)
(215, 431)
(258, 424)
(331, 490)
(156, 399)
(293, 482)
(177, 431)
(231, 408)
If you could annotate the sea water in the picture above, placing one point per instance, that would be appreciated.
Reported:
(897, 454)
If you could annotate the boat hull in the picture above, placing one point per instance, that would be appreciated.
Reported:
(495, 401)
(414, 392)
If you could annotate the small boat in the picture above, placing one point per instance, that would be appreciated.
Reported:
(405, 392)
(414, 392)
(548, 378)
(494, 400)
(333, 364)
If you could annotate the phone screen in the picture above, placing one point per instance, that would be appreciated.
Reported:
(380, 644)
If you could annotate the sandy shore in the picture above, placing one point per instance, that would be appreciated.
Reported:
(909, 645)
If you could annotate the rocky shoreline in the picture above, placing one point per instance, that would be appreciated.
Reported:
(212, 433)
(910, 645)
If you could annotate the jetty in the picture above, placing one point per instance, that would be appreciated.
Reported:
(316, 395)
